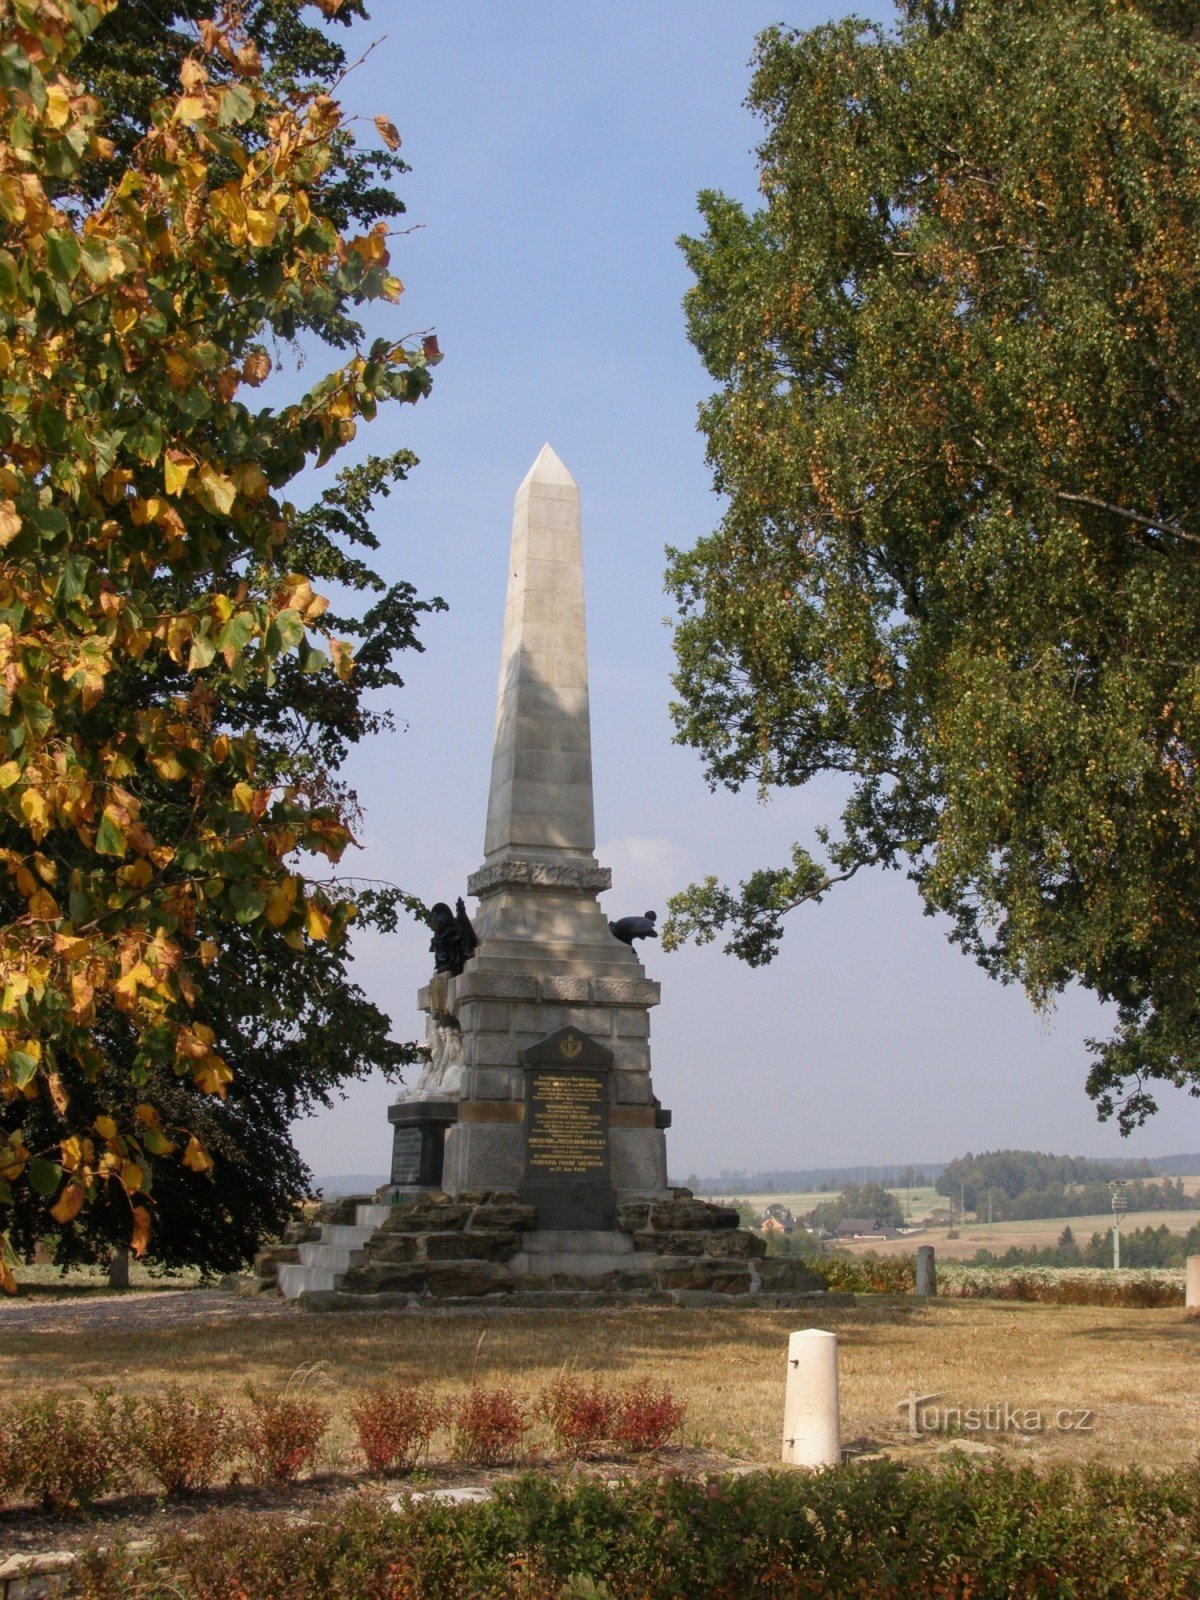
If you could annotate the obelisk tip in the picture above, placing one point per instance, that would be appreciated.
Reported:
(549, 469)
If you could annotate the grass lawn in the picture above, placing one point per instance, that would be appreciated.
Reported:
(1134, 1370)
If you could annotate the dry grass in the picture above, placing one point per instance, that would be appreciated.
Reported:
(1135, 1370)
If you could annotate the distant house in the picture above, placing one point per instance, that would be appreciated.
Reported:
(863, 1228)
(781, 1214)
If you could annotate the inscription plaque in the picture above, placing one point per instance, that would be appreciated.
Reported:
(566, 1132)
(406, 1155)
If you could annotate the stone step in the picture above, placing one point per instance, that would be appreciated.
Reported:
(577, 1241)
(294, 1280)
(372, 1216)
(335, 1256)
(544, 1263)
(347, 1233)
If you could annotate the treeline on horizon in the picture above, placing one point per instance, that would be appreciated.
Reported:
(1049, 1168)
(1020, 1185)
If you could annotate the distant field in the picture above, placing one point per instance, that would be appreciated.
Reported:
(1040, 1234)
(924, 1200)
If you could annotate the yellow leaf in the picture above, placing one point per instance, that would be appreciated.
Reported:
(215, 492)
(262, 227)
(68, 1205)
(212, 1075)
(10, 522)
(387, 132)
(177, 468)
(7, 1282)
(105, 1127)
(36, 811)
(140, 1236)
(281, 902)
(132, 1177)
(343, 658)
(190, 108)
(42, 905)
(58, 1093)
(208, 951)
(195, 1157)
(58, 107)
(124, 318)
(220, 748)
(317, 920)
(71, 1153)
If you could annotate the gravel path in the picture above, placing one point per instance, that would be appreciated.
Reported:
(130, 1311)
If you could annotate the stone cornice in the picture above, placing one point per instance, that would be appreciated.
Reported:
(517, 872)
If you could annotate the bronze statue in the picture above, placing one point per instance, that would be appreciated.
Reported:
(627, 929)
(454, 940)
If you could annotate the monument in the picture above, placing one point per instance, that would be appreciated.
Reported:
(531, 1155)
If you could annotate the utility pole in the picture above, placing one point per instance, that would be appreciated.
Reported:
(1120, 1205)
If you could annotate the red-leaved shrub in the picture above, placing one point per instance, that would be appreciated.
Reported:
(645, 1418)
(489, 1425)
(280, 1435)
(394, 1423)
(180, 1439)
(580, 1416)
(67, 1451)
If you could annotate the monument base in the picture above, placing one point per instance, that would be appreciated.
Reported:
(488, 1245)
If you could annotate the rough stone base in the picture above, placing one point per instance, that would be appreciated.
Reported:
(484, 1244)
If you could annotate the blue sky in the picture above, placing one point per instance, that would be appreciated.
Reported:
(557, 150)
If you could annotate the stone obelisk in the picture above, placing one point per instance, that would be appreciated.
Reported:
(555, 1097)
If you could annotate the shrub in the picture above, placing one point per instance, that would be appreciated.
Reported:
(1086, 1287)
(10, 1461)
(394, 1423)
(280, 1435)
(67, 1451)
(489, 1425)
(646, 1418)
(990, 1530)
(867, 1274)
(180, 1439)
(580, 1416)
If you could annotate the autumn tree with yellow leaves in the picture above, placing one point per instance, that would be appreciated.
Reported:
(148, 602)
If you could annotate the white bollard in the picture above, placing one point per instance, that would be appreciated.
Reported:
(1192, 1298)
(812, 1434)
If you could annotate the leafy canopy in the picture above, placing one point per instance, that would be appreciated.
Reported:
(141, 590)
(957, 352)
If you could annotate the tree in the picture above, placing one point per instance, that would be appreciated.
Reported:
(958, 358)
(859, 1200)
(171, 724)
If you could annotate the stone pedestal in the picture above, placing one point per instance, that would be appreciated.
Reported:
(418, 1142)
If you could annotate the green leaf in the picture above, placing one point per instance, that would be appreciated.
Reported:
(74, 577)
(238, 631)
(94, 259)
(248, 900)
(22, 1067)
(63, 253)
(110, 840)
(202, 652)
(45, 1176)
